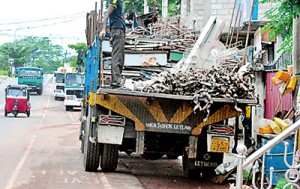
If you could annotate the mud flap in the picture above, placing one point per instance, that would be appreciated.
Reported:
(110, 134)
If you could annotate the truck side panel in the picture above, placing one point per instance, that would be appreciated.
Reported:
(163, 115)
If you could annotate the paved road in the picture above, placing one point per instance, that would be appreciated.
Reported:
(42, 151)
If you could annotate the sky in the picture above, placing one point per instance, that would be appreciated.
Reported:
(63, 21)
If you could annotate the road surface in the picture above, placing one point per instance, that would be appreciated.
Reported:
(43, 152)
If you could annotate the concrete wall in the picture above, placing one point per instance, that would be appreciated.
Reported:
(201, 10)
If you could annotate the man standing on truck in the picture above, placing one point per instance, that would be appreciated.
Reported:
(117, 34)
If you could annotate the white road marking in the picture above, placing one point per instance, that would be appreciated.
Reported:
(105, 181)
(72, 118)
(20, 165)
(16, 172)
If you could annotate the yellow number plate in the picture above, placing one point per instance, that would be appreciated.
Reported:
(218, 145)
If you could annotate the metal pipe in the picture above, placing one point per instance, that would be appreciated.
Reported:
(241, 150)
(229, 29)
(248, 33)
(238, 28)
(237, 16)
(239, 171)
(262, 172)
(257, 154)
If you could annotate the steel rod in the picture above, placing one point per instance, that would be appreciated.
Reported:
(229, 29)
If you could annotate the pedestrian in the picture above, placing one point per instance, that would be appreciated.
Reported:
(117, 33)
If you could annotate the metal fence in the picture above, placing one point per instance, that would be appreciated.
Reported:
(292, 181)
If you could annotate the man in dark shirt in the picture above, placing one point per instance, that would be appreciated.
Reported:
(117, 33)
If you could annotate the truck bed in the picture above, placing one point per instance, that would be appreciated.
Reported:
(155, 112)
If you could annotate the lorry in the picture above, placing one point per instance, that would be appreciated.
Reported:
(32, 77)
(59, 83)
(73, 90)
(155, 124)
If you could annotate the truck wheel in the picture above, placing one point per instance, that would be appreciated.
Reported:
(91, 155)
(5, 113)
(82, 144)
(39, 92)
(109, 157)
(81, 136)
(67, 108)
(187, 171)
(28, 113)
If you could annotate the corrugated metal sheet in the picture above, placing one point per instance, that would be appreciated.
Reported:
(273, 96)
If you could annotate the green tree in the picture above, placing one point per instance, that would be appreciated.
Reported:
(281, 21)
(32, 51)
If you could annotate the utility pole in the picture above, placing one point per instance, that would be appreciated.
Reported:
(296, 56)
(296, 65)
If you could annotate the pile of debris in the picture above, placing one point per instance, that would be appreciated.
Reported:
(217, 82)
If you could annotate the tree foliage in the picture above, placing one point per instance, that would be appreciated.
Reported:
(281, 21)
(31, 51)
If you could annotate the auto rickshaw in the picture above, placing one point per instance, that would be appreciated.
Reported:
(17, 100)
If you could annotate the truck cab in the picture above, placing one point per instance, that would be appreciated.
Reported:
(32, 77)
(73, 90)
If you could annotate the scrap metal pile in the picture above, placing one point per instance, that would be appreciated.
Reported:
(210, 71)
(227, 80)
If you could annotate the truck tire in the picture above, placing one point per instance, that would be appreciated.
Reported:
(91, 155)
(5, 113)
(67, 108)
(39, 92)
(187, 171)
(81, 136)
(109, 157)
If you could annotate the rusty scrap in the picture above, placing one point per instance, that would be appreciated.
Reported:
(221, 81)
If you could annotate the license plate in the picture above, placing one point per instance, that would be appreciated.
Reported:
(219, 145)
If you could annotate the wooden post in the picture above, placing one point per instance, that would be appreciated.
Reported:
(146, 7)
(164, 8)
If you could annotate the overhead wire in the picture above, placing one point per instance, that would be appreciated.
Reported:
(44, 19)
(39, 26)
